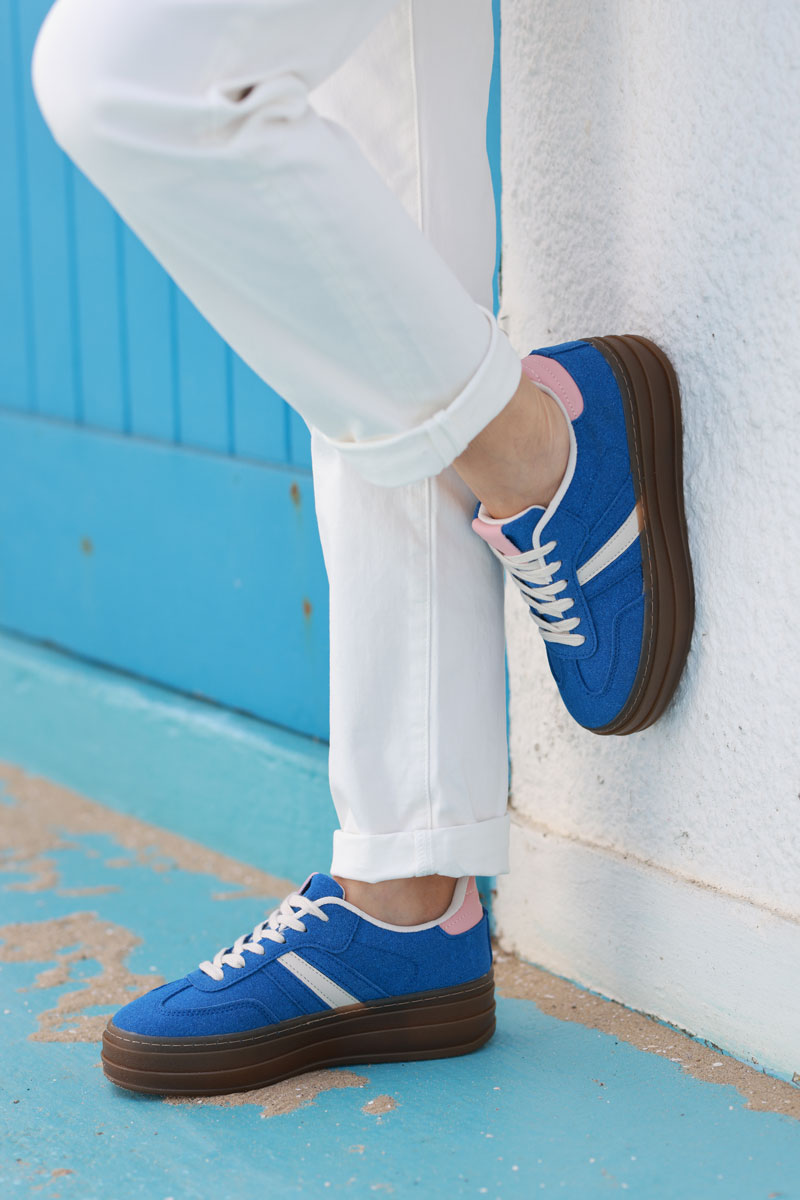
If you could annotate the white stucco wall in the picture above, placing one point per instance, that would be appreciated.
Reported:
(651, 176)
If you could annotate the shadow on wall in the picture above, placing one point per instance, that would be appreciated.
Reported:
(651, 181)
(650, 187)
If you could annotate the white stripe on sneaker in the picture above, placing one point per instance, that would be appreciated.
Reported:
(616, 545)
(328, 991)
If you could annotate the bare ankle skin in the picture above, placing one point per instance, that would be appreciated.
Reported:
(520, 457)
(401, 901)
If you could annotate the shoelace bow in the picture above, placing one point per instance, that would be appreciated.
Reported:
(283, 917)
(535, 578)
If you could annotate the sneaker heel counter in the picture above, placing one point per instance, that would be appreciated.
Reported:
(559, 348)
(468, 914)
(488, 940)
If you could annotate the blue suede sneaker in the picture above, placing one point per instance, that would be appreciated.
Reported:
(605, 568)
(317, 984)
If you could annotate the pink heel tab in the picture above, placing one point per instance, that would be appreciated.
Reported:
(469, 914)
(494, 535)
(552, 375)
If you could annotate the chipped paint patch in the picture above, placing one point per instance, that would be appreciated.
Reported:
(280, 1098)
(379, 1105)
(101, 889)
(79, 937)
(523, 1114)
(41, 871)
(40, 816)
(40, 813)
(559, 998)
(254, 891)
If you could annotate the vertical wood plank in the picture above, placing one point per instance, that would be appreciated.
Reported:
(49, 204)
(299, 440)
(101, 340)
(16, 358)
(202, 380)
(258, 421)
(148, 317)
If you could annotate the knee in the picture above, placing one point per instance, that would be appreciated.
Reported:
(111, 76)
(65, 72)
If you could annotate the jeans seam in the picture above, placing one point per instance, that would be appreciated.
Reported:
(427, 482)
(429, 645)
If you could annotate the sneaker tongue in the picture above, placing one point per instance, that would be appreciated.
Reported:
(519, 531)
(318, 886)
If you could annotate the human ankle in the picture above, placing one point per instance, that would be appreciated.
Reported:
(401, 901)
(520, 458)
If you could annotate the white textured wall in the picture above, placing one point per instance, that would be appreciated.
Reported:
(651, 175)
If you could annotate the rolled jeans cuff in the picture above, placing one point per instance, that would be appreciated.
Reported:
(429, 447)
(477, 849)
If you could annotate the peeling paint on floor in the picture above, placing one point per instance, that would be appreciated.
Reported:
(379, 1106)
(574, 1094)
(79, 937)
(100, 890)
(558, 998)
(40, 813)
(284, 1097)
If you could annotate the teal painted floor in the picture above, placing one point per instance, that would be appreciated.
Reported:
(97, 901)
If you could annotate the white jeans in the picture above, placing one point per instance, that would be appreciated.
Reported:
(313, 174)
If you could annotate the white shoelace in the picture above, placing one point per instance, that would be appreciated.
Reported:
(283, 917)
(535, 578)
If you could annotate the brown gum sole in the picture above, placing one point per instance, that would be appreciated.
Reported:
(435, 1024)
(651, 398)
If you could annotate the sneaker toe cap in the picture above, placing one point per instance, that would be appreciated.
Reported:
(596, 690)
(179, 1010)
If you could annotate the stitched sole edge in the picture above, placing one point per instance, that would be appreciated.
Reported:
(651, 398)
(441, 1023)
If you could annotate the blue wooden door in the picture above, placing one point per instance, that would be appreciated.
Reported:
(156, 508)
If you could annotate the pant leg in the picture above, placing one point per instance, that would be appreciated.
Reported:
(418, 757)
(193, 118)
